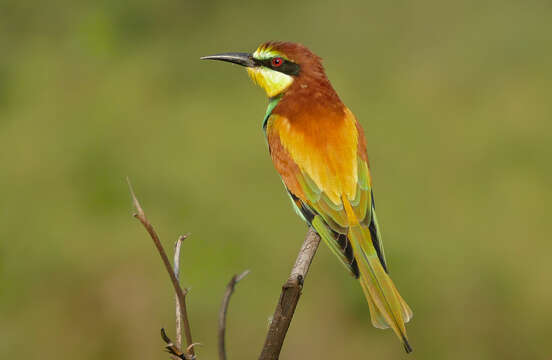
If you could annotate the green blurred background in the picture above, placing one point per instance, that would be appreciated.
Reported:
(455, 101)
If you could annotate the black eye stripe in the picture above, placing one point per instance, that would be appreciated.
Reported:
(287, 67)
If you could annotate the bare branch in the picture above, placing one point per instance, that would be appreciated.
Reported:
(141, 216)
(173, 350)
(291, 291)
(224, 310)
(283, 314)
(176, 268)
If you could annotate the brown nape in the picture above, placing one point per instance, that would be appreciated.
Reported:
(311, 89)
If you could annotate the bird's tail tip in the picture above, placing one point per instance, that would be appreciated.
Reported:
(406, 345)
(387, 307)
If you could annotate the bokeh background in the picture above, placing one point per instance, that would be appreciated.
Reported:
(455, 101)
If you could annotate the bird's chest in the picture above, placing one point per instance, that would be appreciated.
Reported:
(322, 148)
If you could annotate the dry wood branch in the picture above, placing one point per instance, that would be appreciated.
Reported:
(173, 350)
(224, 310)
(289, 297)
(176, 270)
(291, 291)
(141, 216)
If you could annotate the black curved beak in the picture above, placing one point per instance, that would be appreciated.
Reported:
(243, 59)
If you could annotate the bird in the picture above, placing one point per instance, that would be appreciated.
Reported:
(319, 149)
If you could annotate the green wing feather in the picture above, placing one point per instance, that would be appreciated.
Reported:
(330, 220)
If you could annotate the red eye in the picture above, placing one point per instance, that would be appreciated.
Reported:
(277, 62)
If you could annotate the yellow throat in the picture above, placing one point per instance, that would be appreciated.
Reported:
(273, 82)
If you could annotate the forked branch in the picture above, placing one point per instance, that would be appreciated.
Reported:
(141, 216)
(289, 297)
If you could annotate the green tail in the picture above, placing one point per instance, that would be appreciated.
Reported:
(387, 307)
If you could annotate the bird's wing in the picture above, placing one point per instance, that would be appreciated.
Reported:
(323, 164)
(319, 165)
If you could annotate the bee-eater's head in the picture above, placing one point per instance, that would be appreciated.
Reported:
(274, 66)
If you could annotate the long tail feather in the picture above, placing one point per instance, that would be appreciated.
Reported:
(387, 308)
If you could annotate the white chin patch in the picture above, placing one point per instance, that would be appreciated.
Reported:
(273, 82)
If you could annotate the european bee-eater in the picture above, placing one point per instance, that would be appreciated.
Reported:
(318, 147)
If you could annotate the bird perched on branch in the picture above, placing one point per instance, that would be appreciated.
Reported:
(318, 147)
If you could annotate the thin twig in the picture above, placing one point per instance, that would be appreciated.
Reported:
(224, 310)
(291, 291)
(174, 352)
(141, 216)
(176, 268)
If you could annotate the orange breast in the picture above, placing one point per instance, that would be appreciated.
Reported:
(322, 146)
